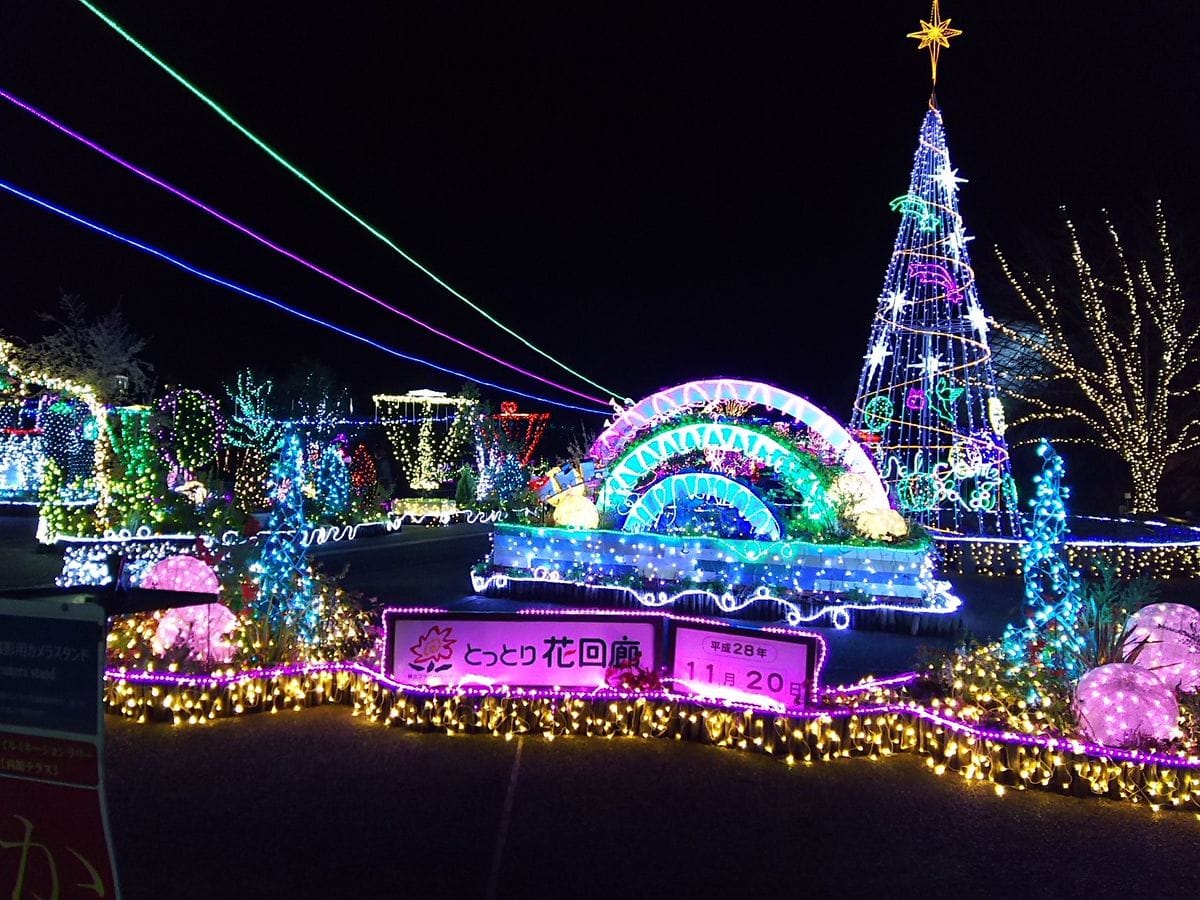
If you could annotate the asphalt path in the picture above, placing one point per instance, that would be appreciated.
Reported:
(317, 803)
(420, 565)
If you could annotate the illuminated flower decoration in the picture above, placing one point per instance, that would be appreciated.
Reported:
(1169, 637)
(1122, 705)
(918, 492)
(181, 573)
(436, 644)
(853, 494)
(881, 525)
(575, 510)
(203, 629)
(194, 491)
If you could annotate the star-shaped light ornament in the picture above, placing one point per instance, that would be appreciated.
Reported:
(957, 240)
(934, 35)
(895, 303)
(930, 364)
(978, 319)
(876, 357)
(948, 179)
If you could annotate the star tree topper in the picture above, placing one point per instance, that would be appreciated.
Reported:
(934, 35)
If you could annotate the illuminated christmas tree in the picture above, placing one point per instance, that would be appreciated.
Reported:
(286, 591)
(1053, 590)
(927, 400)
(137, 475)
(364, 474)
(254, 431)
(191, 433)
(333, 483)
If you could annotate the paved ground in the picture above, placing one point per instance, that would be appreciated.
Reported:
(23, 562)
(319, 804)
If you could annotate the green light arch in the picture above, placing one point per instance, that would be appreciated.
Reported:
(795, 468)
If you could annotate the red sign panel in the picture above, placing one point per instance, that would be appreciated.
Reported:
(54, 837)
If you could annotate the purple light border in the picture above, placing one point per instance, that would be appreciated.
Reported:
(971, 730)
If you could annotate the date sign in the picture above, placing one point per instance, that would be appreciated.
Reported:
(743, 664)
(567, 651)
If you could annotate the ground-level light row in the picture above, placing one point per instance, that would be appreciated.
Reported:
(864, 728)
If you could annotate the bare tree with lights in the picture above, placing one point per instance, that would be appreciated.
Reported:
(100, 352)
(1119, 359)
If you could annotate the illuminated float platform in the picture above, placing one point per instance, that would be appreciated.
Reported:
(725, 497)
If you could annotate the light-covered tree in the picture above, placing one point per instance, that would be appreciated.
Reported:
(100, 352)
(252, 423)
(1119, 358)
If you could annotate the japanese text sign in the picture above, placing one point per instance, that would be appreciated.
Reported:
(567, 651)
(53, 822)
(744, 663)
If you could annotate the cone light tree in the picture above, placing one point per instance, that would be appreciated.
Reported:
(927, 401)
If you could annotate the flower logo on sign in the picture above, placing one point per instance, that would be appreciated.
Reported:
(433, 646)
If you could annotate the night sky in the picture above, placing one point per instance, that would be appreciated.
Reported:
(651, 192)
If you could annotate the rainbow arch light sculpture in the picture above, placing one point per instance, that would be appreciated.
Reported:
(669, 402)
(644, 456)
(723, 496)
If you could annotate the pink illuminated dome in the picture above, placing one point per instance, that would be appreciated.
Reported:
(182, 573)
(204, 630)
(1122, 705)
(1168, 635)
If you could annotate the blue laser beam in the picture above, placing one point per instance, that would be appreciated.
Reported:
(278, 304)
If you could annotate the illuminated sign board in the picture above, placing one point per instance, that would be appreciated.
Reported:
(574, 651)
(745, 664)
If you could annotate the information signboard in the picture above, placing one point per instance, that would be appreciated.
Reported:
(744, 663)
(54, 835)
(566, 651)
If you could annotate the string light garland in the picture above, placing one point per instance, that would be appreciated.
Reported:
(1130, 368)
(275, 155)
(866, 720)
(277, 304)
(430, 435)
